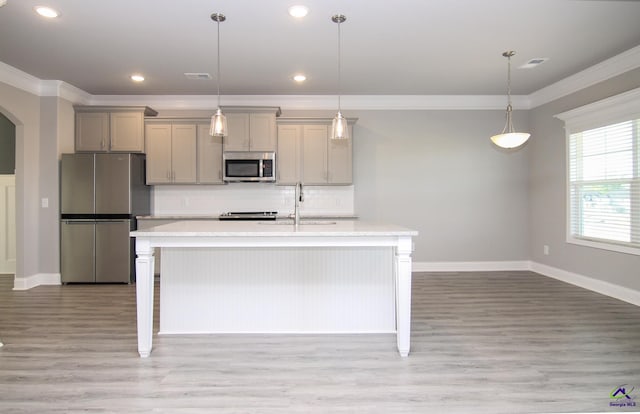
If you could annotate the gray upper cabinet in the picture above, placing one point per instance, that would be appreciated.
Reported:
(307, 154)
(314, 154)
(110, 129)
(288, 154)
(340, 160)
(171, 153)
(182, 152)
(251, 129)
(209, 157)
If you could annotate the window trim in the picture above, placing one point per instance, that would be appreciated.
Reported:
(609, 111)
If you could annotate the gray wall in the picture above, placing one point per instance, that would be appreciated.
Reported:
(23, 110)
(7, 146)
(43, 127)
(437, 172)
(547, 190)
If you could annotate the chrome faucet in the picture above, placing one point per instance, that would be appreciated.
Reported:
(299, 198)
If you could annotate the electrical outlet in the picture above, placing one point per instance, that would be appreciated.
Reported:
(45, 203)
(545, 249)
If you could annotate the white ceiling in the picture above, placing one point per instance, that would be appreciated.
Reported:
(401, 47)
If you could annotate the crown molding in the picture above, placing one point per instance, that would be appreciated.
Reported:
(318, 102)
(610, 68)
(617, 65)
(65, 91)
(19, 79)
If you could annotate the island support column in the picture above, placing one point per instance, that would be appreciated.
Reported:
(403, 294)
(144, 295)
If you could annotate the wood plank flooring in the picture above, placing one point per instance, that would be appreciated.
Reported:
(500, 342)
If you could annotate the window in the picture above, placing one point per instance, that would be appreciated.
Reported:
(603, 180)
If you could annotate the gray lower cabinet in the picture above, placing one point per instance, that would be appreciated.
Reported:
(95, 251)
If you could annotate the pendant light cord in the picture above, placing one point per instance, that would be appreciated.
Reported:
(339, 66)
(218, 73)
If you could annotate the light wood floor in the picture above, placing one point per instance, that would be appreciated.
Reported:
(507, 342)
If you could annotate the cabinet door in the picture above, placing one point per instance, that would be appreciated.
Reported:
(183, 153)
(92, 131)
(158, 137)
(288, 158)
(339, 158)
(238, 132)
(127, 131)
(314, 154)
(262, 132)
(209, 157)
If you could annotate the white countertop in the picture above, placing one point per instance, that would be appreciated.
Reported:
(215, 217)
(326, 228)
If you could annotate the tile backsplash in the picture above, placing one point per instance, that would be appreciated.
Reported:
(196, 200)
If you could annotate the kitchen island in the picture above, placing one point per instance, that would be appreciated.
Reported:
(276, 277)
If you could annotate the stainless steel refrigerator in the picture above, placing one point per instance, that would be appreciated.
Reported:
(101, 195)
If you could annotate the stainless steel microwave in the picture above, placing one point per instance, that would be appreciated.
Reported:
(249, 166)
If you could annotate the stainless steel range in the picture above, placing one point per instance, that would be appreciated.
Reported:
(249, 215)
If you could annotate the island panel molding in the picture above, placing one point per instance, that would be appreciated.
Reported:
(277, 290)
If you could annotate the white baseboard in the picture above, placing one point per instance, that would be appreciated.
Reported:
(470, 266)
(28, 282)
(605, 288)
(589, 283)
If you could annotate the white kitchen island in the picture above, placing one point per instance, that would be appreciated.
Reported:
(274, 277)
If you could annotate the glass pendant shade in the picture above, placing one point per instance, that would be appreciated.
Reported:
(510, 140)
(339, 127)
(218, 124)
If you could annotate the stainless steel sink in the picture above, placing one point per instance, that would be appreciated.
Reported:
(302, 222)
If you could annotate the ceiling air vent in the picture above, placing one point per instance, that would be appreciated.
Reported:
(198, 76)
(533, 63)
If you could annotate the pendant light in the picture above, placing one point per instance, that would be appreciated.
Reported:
(339, 127)
(509, 138)
(218, 120)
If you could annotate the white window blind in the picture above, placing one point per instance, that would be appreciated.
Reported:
(604, 185)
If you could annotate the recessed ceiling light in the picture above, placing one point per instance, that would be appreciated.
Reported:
(137, 78)
(298, 11)
(45, 11)
(299, 77)
(532, 63)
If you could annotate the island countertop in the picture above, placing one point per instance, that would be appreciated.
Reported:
(307, 228)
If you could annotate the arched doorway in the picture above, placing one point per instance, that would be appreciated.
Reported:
(7, 196)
